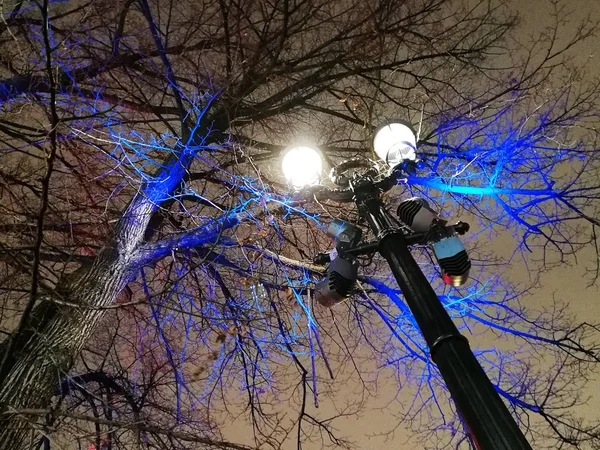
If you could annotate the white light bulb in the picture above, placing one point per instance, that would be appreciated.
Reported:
(302, 166)
(395, 143)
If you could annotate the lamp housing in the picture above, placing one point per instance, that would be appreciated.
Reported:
(395, 142)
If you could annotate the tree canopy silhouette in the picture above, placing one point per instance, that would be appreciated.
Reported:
(153, 262)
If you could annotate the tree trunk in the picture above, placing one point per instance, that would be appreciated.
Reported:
(38, 368)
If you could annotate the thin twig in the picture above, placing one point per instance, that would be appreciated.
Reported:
(45, 190)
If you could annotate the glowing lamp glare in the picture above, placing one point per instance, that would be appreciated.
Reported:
(302, 166)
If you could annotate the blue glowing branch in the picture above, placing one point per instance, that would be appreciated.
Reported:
(420, 355)
(315, 331)
(392, 294)
(517, 401)
(313, 364)
(514, 163)
(167, 346)
(436, 183)
(564, 343)
(208, 234)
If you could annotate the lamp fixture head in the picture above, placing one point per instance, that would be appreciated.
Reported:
(395, 142)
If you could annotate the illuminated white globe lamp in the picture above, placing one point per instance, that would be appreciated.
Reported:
(395, 142)
(302, 166)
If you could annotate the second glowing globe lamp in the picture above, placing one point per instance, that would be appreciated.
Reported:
(302, 166)
(395, 142)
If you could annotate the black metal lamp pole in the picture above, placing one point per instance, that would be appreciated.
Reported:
(489, 422)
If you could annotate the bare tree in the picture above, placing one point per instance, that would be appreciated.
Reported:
(152, 262)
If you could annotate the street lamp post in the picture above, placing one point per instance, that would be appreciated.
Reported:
(488, 421)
